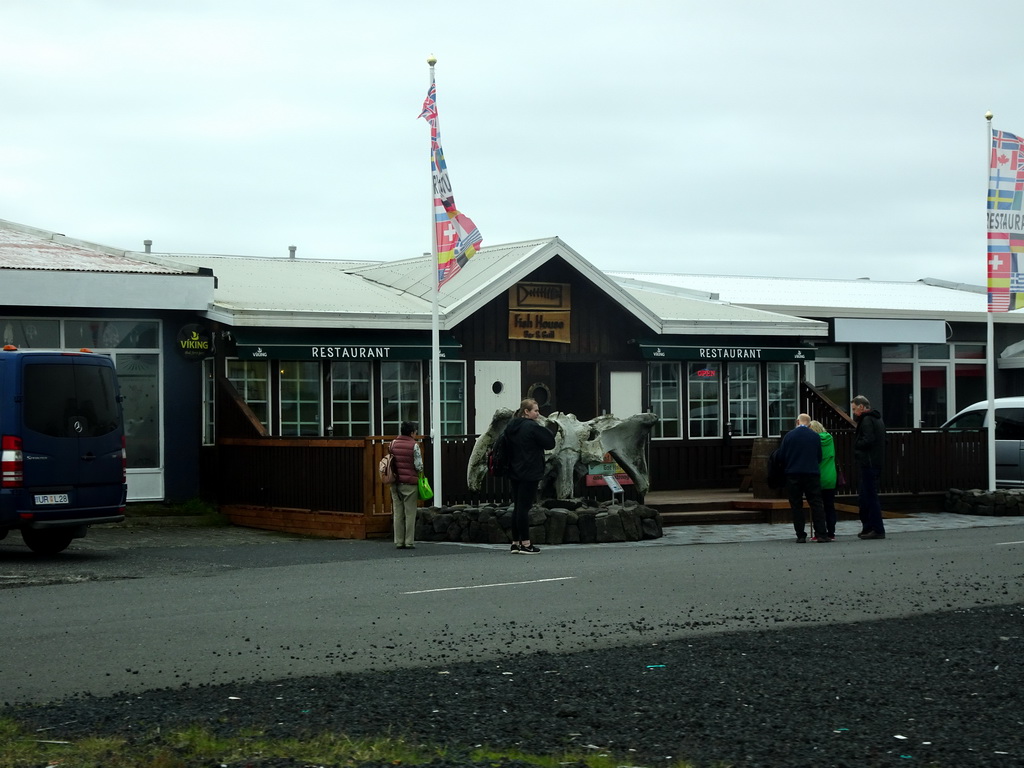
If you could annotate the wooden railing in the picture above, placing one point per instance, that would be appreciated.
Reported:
(335, 474)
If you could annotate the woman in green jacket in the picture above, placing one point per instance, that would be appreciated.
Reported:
(828, 478)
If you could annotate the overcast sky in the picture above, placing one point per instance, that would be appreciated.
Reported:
(792, 137)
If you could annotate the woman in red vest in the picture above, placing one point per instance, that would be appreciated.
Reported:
(405, 492)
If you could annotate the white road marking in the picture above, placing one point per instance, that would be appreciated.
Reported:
(482, 586)
(1004, 543)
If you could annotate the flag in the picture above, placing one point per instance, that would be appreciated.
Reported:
(1005, 223)
(457, 237)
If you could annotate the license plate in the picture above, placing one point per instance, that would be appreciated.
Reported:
(43, 499)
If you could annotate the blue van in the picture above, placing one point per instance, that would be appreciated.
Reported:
(62, 447)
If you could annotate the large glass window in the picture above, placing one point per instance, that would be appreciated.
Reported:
(300, 399)
(704, 399)
(664, 378)
(744, 413)
(251, 378)
(351, 405)
(830, 374)
(783, 406)
(453, 398)
(400, 395)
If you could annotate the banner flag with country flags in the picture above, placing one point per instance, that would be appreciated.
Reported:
(457, 237)
(1005, 223)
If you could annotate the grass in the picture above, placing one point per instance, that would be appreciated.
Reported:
(195, 746)
(206, 514)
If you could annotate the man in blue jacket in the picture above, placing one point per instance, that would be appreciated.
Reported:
(800, 453)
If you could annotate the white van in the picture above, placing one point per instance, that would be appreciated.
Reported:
(1009, 435)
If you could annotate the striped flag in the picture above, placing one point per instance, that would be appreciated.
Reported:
(457, 237)
(1005, 223)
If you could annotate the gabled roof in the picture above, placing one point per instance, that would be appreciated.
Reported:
(296, 292)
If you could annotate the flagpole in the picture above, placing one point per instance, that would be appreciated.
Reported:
(990, 377)
(435, 342)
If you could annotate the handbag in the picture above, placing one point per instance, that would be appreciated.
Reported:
(425, 491)
(386, 469)
(840, 477)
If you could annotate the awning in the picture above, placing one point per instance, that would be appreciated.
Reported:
(330, 345)
(712, 354)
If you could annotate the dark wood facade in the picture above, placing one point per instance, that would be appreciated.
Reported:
(603, 338)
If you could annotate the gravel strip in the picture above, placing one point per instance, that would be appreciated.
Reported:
(938, 690)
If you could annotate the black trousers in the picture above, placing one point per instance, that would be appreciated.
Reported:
(524, 493)
(809, 486)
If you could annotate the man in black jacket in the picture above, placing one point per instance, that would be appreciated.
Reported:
(527, 441)
(869, 451)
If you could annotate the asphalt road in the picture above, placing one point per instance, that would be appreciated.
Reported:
(131, 609)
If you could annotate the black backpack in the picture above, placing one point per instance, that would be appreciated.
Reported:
(776, 477)
(497, 456)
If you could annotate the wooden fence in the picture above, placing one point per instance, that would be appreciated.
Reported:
(335, 476)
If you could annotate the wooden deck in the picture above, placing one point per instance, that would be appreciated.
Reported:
(717, 506)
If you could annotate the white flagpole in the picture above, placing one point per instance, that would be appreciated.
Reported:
(435, 336)
(990, 365)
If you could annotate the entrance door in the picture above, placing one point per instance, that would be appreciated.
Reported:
(496, 384)
(575, 390)
(626, 393)
(934, 400)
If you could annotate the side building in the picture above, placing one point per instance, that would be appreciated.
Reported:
(61, 293)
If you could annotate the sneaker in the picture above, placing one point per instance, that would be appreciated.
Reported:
(822, 539)
(872, 535)
(831, 537)
(515, 549)
(530, 550)
(863, 534)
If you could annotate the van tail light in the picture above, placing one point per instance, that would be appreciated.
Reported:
(124, 460)
(12, 462)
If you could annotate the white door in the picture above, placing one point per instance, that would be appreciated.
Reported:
(626, 393)
(496, 384)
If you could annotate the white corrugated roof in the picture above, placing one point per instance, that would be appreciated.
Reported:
(810, 297)
(24, 247)
(297, 292)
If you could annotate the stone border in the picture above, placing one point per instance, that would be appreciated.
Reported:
(566, 522)
(998, 503)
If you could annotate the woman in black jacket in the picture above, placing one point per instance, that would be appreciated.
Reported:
(527, 441)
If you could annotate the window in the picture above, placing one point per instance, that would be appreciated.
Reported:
(300, 399)
(898, 395)
(209, 403)
(140, 387)
(252, 381)
(30, 333)
(400, 395)
(969, 377)
(1010, 424)
(704, 399)
(111, 334)
(744, 414)
(664, 385)
(453, 398)
(783, 406)
(830, 374)
(351, 406)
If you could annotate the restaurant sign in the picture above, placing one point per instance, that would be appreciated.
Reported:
(727, 354)
(540, 312)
